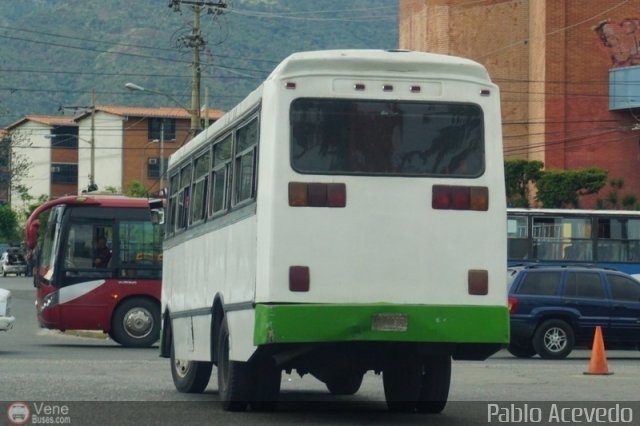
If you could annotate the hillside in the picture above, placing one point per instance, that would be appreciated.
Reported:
(55, 53)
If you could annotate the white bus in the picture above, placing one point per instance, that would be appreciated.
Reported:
(347, 216)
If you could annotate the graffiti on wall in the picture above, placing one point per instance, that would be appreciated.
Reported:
(621, 41)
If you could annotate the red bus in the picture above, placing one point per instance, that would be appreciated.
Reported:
(98, 266)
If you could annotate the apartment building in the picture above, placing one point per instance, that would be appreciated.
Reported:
(108, 147)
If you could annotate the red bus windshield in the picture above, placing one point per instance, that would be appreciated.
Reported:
(108, 237)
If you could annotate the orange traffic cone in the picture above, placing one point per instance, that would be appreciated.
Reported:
(598, 363)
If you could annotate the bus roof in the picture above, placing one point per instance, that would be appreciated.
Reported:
(378, 63)
(31, 227)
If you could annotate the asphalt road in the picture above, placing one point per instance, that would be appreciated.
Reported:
(100, 382)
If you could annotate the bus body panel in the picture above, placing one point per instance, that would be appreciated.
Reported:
(186, 346)
(89, 305)
(229, 265)
(393, 242)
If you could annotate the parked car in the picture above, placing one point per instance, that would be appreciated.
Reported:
(13, 262)
(556, 308)
(6, 320)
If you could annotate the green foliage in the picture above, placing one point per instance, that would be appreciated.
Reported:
(136, 189)
(562, 188)
(94, 44)
(615, 201)
(630, 202)
(8, 224)
(519, 174)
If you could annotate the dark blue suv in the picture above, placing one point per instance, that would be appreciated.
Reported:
(556, 308)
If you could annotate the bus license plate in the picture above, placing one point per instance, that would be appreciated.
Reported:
(389, 322)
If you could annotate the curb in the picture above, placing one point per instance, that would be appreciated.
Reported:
(92, 334)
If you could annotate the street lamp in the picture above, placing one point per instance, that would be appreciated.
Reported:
(194, 112)
(92, 183)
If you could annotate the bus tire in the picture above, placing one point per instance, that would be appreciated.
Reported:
(113, 337)
(401, 379)
(234, 377)
(189, 376)
(553, 339)
(267, 385)
(434, 384)
(136, 323)
(347, 384)
(521, 350)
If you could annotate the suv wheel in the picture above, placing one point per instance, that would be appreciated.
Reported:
(553, 339)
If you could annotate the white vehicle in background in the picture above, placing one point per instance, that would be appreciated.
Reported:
(6, 320)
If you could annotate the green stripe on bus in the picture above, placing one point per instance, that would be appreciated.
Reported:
(298, 323)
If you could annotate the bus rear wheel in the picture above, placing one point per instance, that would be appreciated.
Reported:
(401, 381)
(414, 384)
(345, 384)
(136, 323)
(234, 377)
(189, 376)
(434, 384)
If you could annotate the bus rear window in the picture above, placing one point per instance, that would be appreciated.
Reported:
(391, 138)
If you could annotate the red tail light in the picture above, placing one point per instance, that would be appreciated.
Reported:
(317, 194)
(445, 197)
(478, 282)
(513, 304)
(299, 278)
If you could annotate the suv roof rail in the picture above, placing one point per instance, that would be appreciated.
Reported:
(562, 265)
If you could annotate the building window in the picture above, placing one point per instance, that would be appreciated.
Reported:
(5, 151)
(153, 167)
(64, 173)
(155, 129)
(64, 137)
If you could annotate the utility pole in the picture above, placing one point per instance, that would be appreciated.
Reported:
(196, 42)
(92, 140)
(92, 176)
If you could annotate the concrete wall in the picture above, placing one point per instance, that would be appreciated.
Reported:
(29, 142)
(108, 151)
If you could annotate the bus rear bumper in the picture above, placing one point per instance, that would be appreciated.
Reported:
(470, 332)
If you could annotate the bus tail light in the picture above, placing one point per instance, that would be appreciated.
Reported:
(317, 194)
(449, 197)
(478, 281)
(299, 278)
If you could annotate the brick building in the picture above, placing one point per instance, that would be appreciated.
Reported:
(566, 71)
(126, 147)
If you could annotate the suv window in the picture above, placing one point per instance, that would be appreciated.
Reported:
(623, 288)
(584, 285)
(541, 283)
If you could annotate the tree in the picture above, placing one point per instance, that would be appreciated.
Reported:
(519, 174)
(8, 224)
(613, 200)
(14, 165)
(137, 189)
(562, 188)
